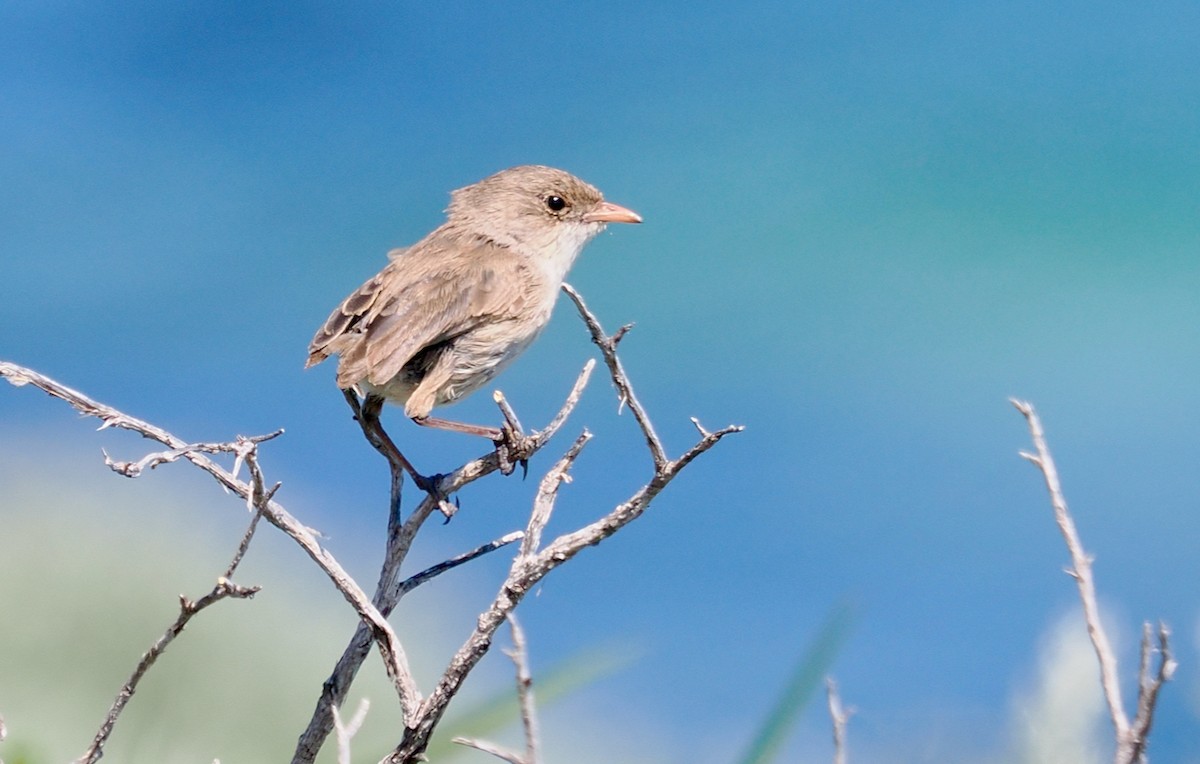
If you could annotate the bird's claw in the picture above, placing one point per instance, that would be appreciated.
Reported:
(513, 448)
(432, 485)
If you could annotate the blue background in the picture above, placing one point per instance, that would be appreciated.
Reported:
(867, 225)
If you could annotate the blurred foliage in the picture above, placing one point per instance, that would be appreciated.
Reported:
(503, 710)
(91, 567)
(805, 679)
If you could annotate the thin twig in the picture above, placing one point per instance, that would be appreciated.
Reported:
(519, 581)
(1150, 682)
(243, 545)
(390, 589)
(224, 588)
(413, 581)
(543, 503)
(1130, 739)
(499, 751)
(345, 732)
(529, 720)
(520, 658)
(506, 410)
(187, 609)
(839, 716)
(534, 562)
(1081, 568)
(393, 655)
(152, 460)
(608, 349)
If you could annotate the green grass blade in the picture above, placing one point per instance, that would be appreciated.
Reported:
(806, 677)
(502, 709)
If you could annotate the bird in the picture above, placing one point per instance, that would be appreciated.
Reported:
(450, 312)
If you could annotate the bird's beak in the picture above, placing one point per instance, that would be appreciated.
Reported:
(607, 212)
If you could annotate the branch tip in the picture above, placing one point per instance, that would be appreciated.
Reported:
(619, 335)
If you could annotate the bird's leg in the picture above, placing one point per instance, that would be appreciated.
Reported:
(368, 416)
(512, 447)
(491, 433)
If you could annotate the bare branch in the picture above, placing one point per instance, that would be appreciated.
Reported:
(506, 410)
(534, 562)
(187, 609)
(345, 732)
(568, 406)
(523, 575)
(530, 565)
(1150, 681)
(1131, 738)
(520, 658)
(529, 720)
(839, 716)
(499, 751)
(389, 590)
(1081, 570)
(393, 654)
(547, 495)
(242, 546)
(224, 588)
(709, 440)
(152, 460)
(608, 349)
(412, 582)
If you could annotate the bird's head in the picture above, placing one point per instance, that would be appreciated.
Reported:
(540, 210)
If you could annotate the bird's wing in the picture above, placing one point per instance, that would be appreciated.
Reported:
(421, 298)
(343, 320)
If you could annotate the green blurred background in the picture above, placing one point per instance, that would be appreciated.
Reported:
(867, 225)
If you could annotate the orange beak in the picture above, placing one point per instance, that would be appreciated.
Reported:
(607, 212)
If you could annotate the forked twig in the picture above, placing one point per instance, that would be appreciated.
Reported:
(187, 609)
(344, 732)
(625, 394)
(533, 562)
(520, 658)
(401, 535)
(840, 716)
(393, 655)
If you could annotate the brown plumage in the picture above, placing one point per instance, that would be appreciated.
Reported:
(448, 313)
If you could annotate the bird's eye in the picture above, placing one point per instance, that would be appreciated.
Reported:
(556, 203)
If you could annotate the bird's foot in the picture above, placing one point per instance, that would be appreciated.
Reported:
(513, 448)
(432, 485)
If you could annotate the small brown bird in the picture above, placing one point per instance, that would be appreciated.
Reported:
(450, 312)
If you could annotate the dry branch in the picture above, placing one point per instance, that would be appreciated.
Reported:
(381, 631)
(400, 537)
(520, 658)
(344, 732)
(840, 717)
(187, 609)
(1131, 739)
(533, 562)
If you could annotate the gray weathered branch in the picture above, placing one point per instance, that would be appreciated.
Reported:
(389, 647)
(187, 609)
(1130, 738)
(401, 535)
(533, 562)
(840, 716)
(520, 658)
